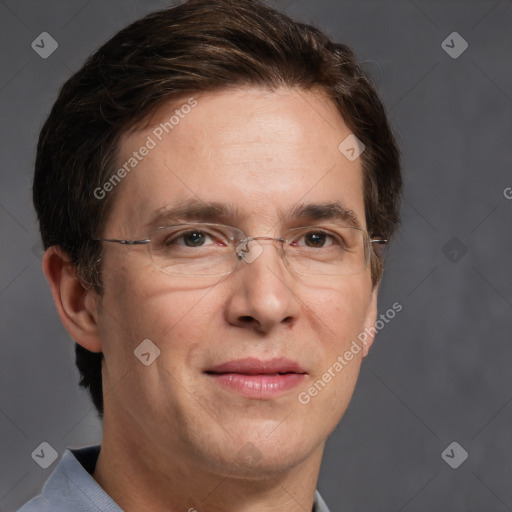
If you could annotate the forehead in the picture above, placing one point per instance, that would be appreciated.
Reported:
(263, 153)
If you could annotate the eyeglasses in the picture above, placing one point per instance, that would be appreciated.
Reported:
(208, 250)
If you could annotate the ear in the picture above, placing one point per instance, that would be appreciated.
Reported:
(77, 306)
(370, 319)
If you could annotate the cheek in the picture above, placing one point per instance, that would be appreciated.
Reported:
(171, 318)
(339, 316)
(176, 322)
(341, 312)
(143, 303)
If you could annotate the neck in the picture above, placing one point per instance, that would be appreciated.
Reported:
(142, 477)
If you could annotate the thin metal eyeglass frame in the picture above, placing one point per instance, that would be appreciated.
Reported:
(240, 242)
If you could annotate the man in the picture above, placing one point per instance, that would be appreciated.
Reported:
(213, 189)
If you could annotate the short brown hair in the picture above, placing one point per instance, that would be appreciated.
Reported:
(200, 45)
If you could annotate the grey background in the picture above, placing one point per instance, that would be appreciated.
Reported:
(439, 372)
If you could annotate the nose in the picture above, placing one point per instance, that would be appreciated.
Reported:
(262, 293)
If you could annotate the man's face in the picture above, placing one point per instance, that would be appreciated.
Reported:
(262, 153)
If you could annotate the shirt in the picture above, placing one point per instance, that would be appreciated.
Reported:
(71, 487)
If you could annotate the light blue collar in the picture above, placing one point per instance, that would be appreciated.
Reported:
(71, 487)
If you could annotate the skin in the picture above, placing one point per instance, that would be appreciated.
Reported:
(171, 435)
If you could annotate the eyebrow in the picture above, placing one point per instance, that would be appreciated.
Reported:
(194, 210)
(334, 212)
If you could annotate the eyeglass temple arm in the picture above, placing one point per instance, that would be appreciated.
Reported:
(124, 242)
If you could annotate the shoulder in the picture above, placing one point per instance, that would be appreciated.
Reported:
(37, 504)
(69, 485)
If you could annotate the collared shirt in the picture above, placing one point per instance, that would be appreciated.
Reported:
(71, 487)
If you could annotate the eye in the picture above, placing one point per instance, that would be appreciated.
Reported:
(193, 238)
(315, 239)
(172, 238)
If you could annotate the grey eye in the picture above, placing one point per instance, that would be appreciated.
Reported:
(193, 238)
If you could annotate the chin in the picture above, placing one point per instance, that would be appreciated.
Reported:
(262, 466)
(253, 456)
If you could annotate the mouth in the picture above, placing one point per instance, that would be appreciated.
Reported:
(259, 379)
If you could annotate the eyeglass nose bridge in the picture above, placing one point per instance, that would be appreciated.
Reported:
(243, 249)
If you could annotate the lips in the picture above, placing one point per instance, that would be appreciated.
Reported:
(253, 366)
(254, 378)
